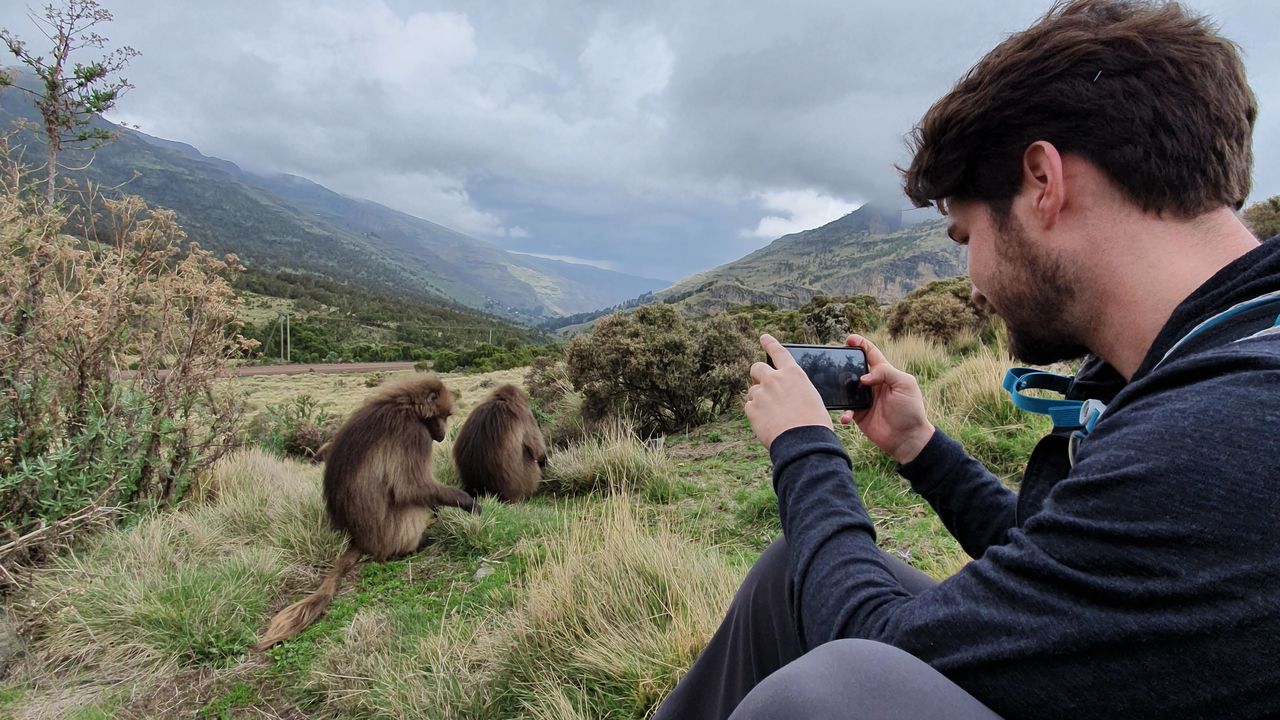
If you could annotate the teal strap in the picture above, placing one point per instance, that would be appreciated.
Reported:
(1064, 413)
(1271, 298)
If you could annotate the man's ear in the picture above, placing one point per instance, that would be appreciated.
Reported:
(1043, 178)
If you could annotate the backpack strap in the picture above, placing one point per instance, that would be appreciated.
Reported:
(1078, 417)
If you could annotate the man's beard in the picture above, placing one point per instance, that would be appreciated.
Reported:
(1036, 291)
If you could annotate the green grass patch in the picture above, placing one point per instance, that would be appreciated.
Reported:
(587, 601)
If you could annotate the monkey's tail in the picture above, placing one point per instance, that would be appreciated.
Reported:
(295, 618)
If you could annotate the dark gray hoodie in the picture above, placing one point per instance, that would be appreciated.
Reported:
(1143, 582)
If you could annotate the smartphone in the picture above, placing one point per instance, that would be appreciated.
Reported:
(834, 371)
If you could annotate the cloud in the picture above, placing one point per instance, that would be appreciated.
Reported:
(645, 134)
(801, 210)
(602, 264)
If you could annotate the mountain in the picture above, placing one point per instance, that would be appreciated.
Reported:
(282, 222)
(473, 271)
(869, 251)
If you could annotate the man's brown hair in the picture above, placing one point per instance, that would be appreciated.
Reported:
(1148, 92)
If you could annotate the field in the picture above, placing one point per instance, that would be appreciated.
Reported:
(588, 602)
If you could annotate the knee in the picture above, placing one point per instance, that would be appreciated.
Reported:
(839, 680)
(770, 570)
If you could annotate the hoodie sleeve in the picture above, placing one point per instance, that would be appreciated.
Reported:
(975, 506)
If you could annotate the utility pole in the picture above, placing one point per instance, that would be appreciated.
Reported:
(280, 323)
(288, 340)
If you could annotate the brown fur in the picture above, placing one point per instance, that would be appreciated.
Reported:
(378, 486)
(500, 450)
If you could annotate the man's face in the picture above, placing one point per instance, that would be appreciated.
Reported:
(1029, 285)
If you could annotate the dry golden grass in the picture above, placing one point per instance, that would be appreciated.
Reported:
(342, 392)
(970, 392)
(184, 588)
(614, 616)
(912, 353)
(606, 624)
(614, 460)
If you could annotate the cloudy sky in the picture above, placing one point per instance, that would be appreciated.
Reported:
(659, 138)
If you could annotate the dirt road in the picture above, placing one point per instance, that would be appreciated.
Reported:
(323, 368)
(303, 369)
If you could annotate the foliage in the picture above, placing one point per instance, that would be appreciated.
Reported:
(663, 372)
(77, 439)
(335, 321)
(547, 381)
(70, 93)
(1263, 218)
(822, 320)
(578, 603)
(941, 311)
(555, 404)
(297, 429)
(831, 320)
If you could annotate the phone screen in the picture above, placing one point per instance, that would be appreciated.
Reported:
(834, 371)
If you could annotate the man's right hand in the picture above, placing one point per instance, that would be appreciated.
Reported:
(896, 421)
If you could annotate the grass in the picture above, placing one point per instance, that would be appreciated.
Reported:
(342, 392)
(588, 601)
(612, 461)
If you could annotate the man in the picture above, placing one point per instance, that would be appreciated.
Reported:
(1092, 164)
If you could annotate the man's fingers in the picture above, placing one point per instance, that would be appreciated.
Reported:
(874, 356)
(781, 356)
(846, 417)
(877, 375)
(758, 372)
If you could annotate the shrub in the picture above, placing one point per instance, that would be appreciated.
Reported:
(79, 439)
(664, 372)
(940, 311)
(375, 379)
(298, 428)
(1263, 218)
(547, 381)
(833, 319)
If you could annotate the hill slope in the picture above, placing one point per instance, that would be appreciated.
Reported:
(287, 223)
(867, 251)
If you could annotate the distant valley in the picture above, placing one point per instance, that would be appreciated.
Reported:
(283, 222)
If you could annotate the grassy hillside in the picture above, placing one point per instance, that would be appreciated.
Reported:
(286, 223)
(333, 321)
(579, 604)
(866, 252)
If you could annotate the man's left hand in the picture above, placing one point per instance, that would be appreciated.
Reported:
(781, 397)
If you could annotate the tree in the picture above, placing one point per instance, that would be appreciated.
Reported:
(1263, 218)
(661, 371)
(70, 93)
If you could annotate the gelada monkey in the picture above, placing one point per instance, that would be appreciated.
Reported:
(500, 450)
(378, 487)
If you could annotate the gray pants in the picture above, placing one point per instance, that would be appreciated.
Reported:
(755, 669)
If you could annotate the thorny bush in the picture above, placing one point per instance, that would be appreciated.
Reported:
(87, 290)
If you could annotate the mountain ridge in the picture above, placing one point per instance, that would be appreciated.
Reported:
(868, 251)
(273, 225)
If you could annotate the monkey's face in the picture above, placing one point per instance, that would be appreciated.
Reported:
(436, 426)
(435, 411)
